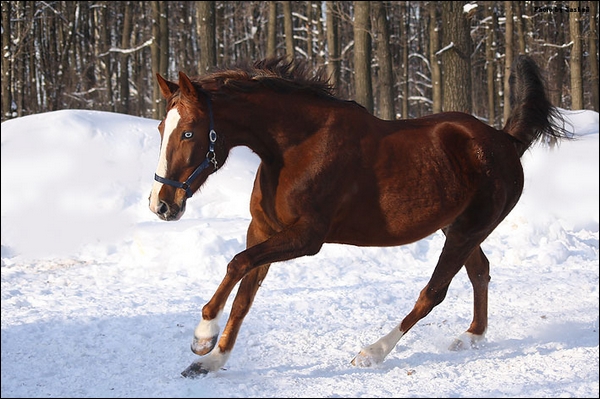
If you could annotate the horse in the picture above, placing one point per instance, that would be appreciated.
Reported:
(332, 172)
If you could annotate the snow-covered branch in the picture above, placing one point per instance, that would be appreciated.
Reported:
(448, 47)
(558, 45)
(128, 51)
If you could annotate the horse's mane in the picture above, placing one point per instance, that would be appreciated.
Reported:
(277, 73)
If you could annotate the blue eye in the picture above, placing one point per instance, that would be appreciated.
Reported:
(188, 135)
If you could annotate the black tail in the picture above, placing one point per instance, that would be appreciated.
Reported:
(532, 116)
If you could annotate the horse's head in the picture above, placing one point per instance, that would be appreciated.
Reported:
(187, 152)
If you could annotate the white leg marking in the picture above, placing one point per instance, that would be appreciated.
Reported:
(171, 122)
(374, 354)
(208, 328)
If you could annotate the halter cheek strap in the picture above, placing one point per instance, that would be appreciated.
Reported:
(211, 158)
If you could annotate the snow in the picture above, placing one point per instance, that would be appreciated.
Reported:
(100, 298)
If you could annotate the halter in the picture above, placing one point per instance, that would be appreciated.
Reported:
(210, 158)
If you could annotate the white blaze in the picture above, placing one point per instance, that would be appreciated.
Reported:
(171, 122)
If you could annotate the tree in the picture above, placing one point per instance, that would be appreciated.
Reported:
(593, 55)
(288, 28)
(320, 45)
(490, 61)
(333, 46)
(6, 63)
(362, 55)
(386, 75)
(405, 21)
(575, 63)
(123, 105)
(456, 57)
(309, 32)
(508, 57)
(205, 17)
(160, 52)
(557, 62)
(434, 59)
(272, 30)
(521, 37)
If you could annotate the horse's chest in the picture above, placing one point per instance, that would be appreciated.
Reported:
(276, 198)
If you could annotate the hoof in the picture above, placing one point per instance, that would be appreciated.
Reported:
(202, 346)
(364, 360)
(194, 370)
(466, 341)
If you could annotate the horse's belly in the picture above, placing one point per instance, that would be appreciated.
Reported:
(394, 221)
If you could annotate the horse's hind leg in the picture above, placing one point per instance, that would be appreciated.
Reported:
(457, 249)
(478, 270)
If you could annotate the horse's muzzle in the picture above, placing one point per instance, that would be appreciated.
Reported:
(168, 212)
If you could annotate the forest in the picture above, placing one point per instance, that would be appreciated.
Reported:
(399, 59)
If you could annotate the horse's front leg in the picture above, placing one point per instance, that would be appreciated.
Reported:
(251, 266)
(206, 334)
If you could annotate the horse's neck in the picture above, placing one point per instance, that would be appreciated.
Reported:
(268, 128)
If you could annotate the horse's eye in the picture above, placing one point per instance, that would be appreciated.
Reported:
(188, 135)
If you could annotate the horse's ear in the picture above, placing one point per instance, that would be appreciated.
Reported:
(166, 88)
(187, 88)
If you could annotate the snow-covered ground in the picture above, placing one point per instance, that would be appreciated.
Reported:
(100, 297)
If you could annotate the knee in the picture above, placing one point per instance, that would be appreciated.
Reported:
(239, 266)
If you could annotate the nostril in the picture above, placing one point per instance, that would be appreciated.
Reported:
(163, 208)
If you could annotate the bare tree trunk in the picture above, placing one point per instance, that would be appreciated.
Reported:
(205, 17)
(7, 58)
(557, 62)
(490, 61)
(123, 106)
(107, 67)
(160, 53)
(309, 32)
(456, 58)
(434, 60)
(508, 58)
(84, 57)
(405, 67)
(272, 30)
(21, 90)
(362, 55)
(593, 56)
(386, 75)
(521, 39)
(320, 46)
(288, 28)
(576, 76)
(333, 45)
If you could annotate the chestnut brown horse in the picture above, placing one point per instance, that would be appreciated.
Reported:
(331, 172)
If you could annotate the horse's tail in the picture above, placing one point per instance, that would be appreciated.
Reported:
(532, 116)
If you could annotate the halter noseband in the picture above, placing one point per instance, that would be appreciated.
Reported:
(210, 158)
